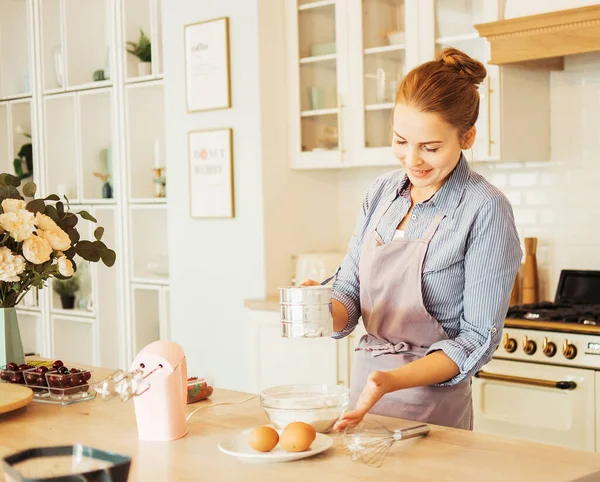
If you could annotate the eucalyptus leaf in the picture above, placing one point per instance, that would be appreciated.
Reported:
(60, 209)
(36, 206)
(109, 257)
(52, 197)
(72, 251)
(11, 180)
(69, 221)
(29, 189)
(74, 235)
(88, 251)
(98, 233)
(52, 213)
(87, 216)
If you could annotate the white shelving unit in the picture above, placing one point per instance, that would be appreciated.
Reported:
(66, 79)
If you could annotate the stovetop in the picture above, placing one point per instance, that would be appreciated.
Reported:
(578, 313)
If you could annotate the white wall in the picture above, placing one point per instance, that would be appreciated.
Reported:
(558, 201)
(214, 264)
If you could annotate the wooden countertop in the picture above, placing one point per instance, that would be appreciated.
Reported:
(445, 454)
(270, 303)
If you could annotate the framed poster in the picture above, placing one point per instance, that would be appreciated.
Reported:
(211, 174)
(207, 76)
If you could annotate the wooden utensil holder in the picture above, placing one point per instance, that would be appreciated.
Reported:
(529, 282)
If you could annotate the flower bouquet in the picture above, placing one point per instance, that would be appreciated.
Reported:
(38, 240)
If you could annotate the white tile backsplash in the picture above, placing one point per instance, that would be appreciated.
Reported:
(559, 201)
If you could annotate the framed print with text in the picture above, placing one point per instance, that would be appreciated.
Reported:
(207, 66)
(211, 174)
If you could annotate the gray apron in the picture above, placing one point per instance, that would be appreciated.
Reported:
(400, 330)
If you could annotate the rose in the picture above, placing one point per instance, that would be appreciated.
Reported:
(65, 267)
(11, 265)
(12, 205)
(45, 222)
(36, 249)
(57, 239)
(19, 224)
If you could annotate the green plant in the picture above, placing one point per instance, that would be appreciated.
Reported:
(142, 49)
(67, 287)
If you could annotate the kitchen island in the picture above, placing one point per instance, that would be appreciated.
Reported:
(444, 455)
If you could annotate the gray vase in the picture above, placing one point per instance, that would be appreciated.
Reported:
(11, 346)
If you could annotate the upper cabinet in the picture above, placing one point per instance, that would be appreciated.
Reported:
(347, 58)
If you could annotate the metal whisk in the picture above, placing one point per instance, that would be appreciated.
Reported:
(370, 442)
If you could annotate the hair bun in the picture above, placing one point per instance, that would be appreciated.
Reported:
(464, 65)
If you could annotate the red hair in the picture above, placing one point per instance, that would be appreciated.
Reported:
(446, 86)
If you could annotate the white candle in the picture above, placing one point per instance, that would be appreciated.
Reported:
(156, 153)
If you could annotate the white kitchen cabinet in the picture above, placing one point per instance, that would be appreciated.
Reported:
(342, 84)
(597, 417)
(274, 360)
(514, 114)
(346, 59)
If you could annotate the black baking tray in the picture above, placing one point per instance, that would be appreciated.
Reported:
(117, 472)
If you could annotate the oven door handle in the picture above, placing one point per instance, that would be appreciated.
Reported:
(537, 382)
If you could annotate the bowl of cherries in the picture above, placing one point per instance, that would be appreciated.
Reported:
(13, 373)
(51, 381)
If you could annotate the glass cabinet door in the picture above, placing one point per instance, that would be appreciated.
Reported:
(384, 62)
(319, 67)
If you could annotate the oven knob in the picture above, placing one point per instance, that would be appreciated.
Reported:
(549, 348)
(569, 350)
(510, 344)
(529, 346)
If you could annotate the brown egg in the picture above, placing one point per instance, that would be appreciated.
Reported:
(263, 439)
(297, 437)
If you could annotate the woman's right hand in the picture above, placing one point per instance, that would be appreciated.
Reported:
(310, 282)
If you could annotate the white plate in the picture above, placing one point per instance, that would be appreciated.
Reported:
(239, 447)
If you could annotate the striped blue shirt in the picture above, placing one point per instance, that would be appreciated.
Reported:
(469, 268)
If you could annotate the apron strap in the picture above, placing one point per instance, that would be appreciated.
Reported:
(433, 227)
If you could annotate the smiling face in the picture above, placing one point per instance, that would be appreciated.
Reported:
(427, 147)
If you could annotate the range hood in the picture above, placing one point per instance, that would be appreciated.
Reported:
(542, 41)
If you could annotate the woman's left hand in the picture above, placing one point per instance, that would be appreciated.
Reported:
(376, 387)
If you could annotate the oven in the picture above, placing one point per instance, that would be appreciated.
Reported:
(543, 383)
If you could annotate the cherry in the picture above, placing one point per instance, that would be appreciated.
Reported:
(23, 366)
(4, 375)
(74, 370)
(57, 364)
(16, 378)
(63, 370)
(86, 376)
(41, 369)
(13, 367)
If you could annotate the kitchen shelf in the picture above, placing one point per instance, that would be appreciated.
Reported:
(16, 97)
(374, 107)
(318, 58)
(148, 201)
(313, 5)
(384, 49)
(319, 112)
(81, 316)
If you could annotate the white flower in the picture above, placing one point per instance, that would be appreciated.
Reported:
(13, 205)
(57, 238)
(45, 222)
(65, 267)
(19, 224)
(36, 249)
(11, 265)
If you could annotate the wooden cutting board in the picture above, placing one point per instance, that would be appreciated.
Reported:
(13, 396)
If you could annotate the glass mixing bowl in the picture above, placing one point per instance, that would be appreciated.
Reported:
(318, 405)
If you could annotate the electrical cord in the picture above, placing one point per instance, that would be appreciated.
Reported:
(218, 404)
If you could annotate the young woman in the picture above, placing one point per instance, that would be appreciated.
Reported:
(432, 262)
